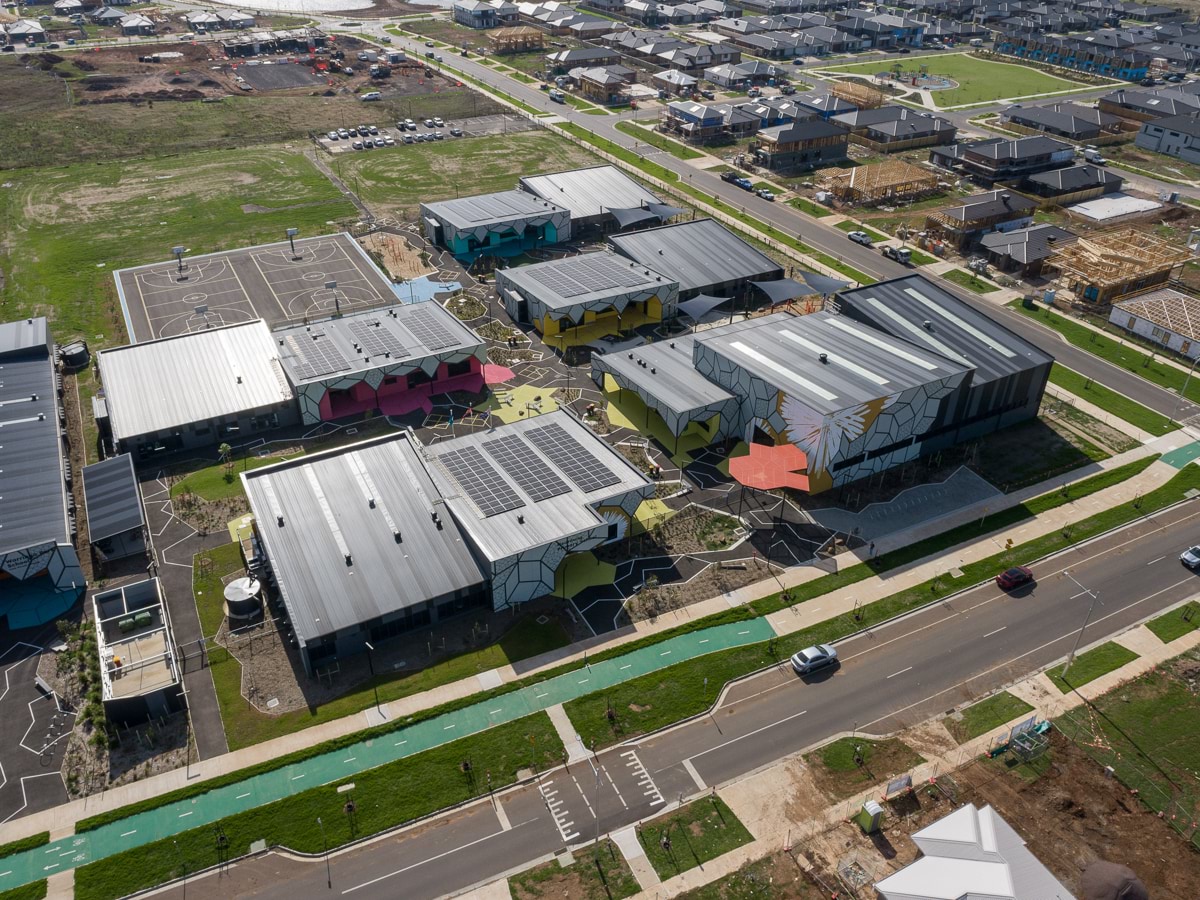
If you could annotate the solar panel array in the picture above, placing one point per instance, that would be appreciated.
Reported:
(582, 275)
(316, 355)
(526, 468)
(428, 330)
(588, 473)
(482, 483)
(376, 340)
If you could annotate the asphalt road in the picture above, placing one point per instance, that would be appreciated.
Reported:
(891, 677)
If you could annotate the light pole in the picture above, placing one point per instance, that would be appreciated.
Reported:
(1091, 608)
(291, 236)
(325, 847)
(374, 682)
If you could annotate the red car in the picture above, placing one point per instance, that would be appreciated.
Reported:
(1014, 578)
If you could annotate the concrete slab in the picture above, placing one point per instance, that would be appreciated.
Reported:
(627, 842)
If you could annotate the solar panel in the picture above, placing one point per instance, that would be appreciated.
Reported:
(588, 473)
(316, 355)
(480, 480)
(581, 275)
(376, 340)
(526, 468)
(428, 330)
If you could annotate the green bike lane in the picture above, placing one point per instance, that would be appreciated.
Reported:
(336, 766)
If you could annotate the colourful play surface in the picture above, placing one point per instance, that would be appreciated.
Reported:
(651, 514)
(740, 450)
(578, 335)
(768, 467)
(579, 571)
(625, 409)
(239, 529)
(518, 403)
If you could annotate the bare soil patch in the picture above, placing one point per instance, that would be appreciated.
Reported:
(401, 260)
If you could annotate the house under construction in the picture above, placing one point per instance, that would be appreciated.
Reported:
(518, 39)
(1101, 269)
(892, 181)
(861, 95)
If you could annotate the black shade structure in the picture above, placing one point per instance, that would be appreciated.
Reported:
(665, 212)
(635, 216)
(783, 289)
(700, 305)
(823, 284)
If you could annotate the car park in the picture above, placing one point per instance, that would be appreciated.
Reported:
(357, 145)
(812, 659)
(1191, 557)
(1014, 578)
(333, 135)
(372, 129)
(438, 136)
(456, 132)
(438, 122)
(429, 123)
(860, 237)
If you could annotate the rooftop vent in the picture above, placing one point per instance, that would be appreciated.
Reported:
(349, 560)
(371, 502)
(397, 537)
(520, 520)
(824, 357)
(927, 325)
(279, 520)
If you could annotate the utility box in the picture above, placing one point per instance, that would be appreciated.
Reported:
(870, 817)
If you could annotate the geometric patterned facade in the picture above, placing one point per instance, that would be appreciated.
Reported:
(490, 221)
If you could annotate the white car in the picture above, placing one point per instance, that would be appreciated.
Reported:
(333, 135)
(860, 237)
(1191, 557)
(811, 659)
(765, 194)
(437, 122)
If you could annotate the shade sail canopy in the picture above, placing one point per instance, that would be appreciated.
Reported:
(665, 212)
(627, 217)
(768, 467)
(700, 305)
(783, 289)
(823, 284)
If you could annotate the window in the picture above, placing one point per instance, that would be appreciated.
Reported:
(1157, 333)
(1131, 322)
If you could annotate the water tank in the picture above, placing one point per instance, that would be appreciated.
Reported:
(243, 598)
(75, 355)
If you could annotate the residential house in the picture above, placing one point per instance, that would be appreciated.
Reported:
(728, 77)
(565, 60)
(964, 224)
(1142, 106)
(28, 31)
(1024, 250)
(696, 123)
(824, 105)
(136, 24)
(803, 144)
(1067, 120)
(604, 85)
(890, 129)
(771, 45)
(485, 14)
(1168, 317)
(1073, 184)
(235, 19)
(203, 21)
(825, 39)
(1177, 136)
(105, 15)
(674, 82)
(1004, 159)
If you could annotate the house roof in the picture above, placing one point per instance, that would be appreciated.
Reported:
(1016, 149)
(988, 205)
(34, 506)
(1027, 245)
(1075, 178)
(1068, 118)
(589, 192)
(171, 382)
(698, 254)
(1167, 308)
(351, 534)
(466, 213)
(955, 330)
(859, 364)
(110, 492)
(802, 130)
(1188, 124)
(972, 852)
(1156, 103)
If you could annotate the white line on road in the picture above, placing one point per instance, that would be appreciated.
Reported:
(502, 815)
(705, 641)
(492, 712)
(691, 770)
(665, 653)
(645, 781)
(398, 743)
(298, 777)
(128, 833)
(901, 672)
(629, 666)
(429, 860)
(997, 631)
(748, 734)
(350, 760)
(184, 815)
(242, 796)
(448, 727)
(584, 796)
(614, 786)
(1153, 561)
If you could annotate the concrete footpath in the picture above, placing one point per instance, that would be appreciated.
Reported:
(64, 817)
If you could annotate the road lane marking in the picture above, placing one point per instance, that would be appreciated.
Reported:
(448, 727)
(398, 743)
(242, 796)
(901, 672)
(430, 859)
(128, 833)
(691, 770)
(188, 813)
(665, 653)
(997, 631)
(604, 769)
(492, 712)
(629, 666)
(649, 788)
(705, 641)
(350, 760)
(502, 815)
(748, 734)
(298, 777)
(1153, 561)
(584, 796)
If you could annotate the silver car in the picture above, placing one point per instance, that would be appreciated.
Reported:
(1191, 557)
(811, 659)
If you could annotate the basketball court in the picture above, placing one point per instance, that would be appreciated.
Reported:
(266, 282)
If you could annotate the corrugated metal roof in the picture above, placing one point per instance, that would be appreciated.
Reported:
(33, 508)
(110, 492)
(699, 255)
(175, 381)
(589, 192)
(955, 330)
(544, 521)
(668, 374)
(861, 364)
(325, 504)
(574, 280)
(487, 209)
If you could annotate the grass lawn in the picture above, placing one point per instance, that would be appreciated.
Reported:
(698, 832)
(384, 797)
(808, 206)
(598, 873)
(1110, 401)
(208, 588)
(979, 80)
(982, 717)
(1176, 623)
(219, 482)
(1148, 365)
(848, 226)
(839, 774)
(398, 182)
(921, 259)
(1089, 666)
(969, 281)
(35, 890)
(662, 142)
(777, 877)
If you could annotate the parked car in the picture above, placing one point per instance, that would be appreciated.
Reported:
(901, 255)
(429, 54)
(429, 123)
(389, 140)
(438, 123)
(438, 136)
(729, 176)
(811, 659)
(744, 183)
(1191, 557)
(1014, 578)
(860, 237)
(708, 95)
(53, 46)
(430, 44)
(343, 133)
(408, 139)
(357, 145)
(353, 132)
(333, 135)
(456, 132)
(765, 194)
(372, 129)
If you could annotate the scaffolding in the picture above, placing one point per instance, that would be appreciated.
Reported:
(1103, 268)
(893, 181)
(519, 39)
(861, 95)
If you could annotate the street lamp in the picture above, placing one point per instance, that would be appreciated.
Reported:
(374, 682)
(291, 236)
(325, 847)
(1091, 608)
